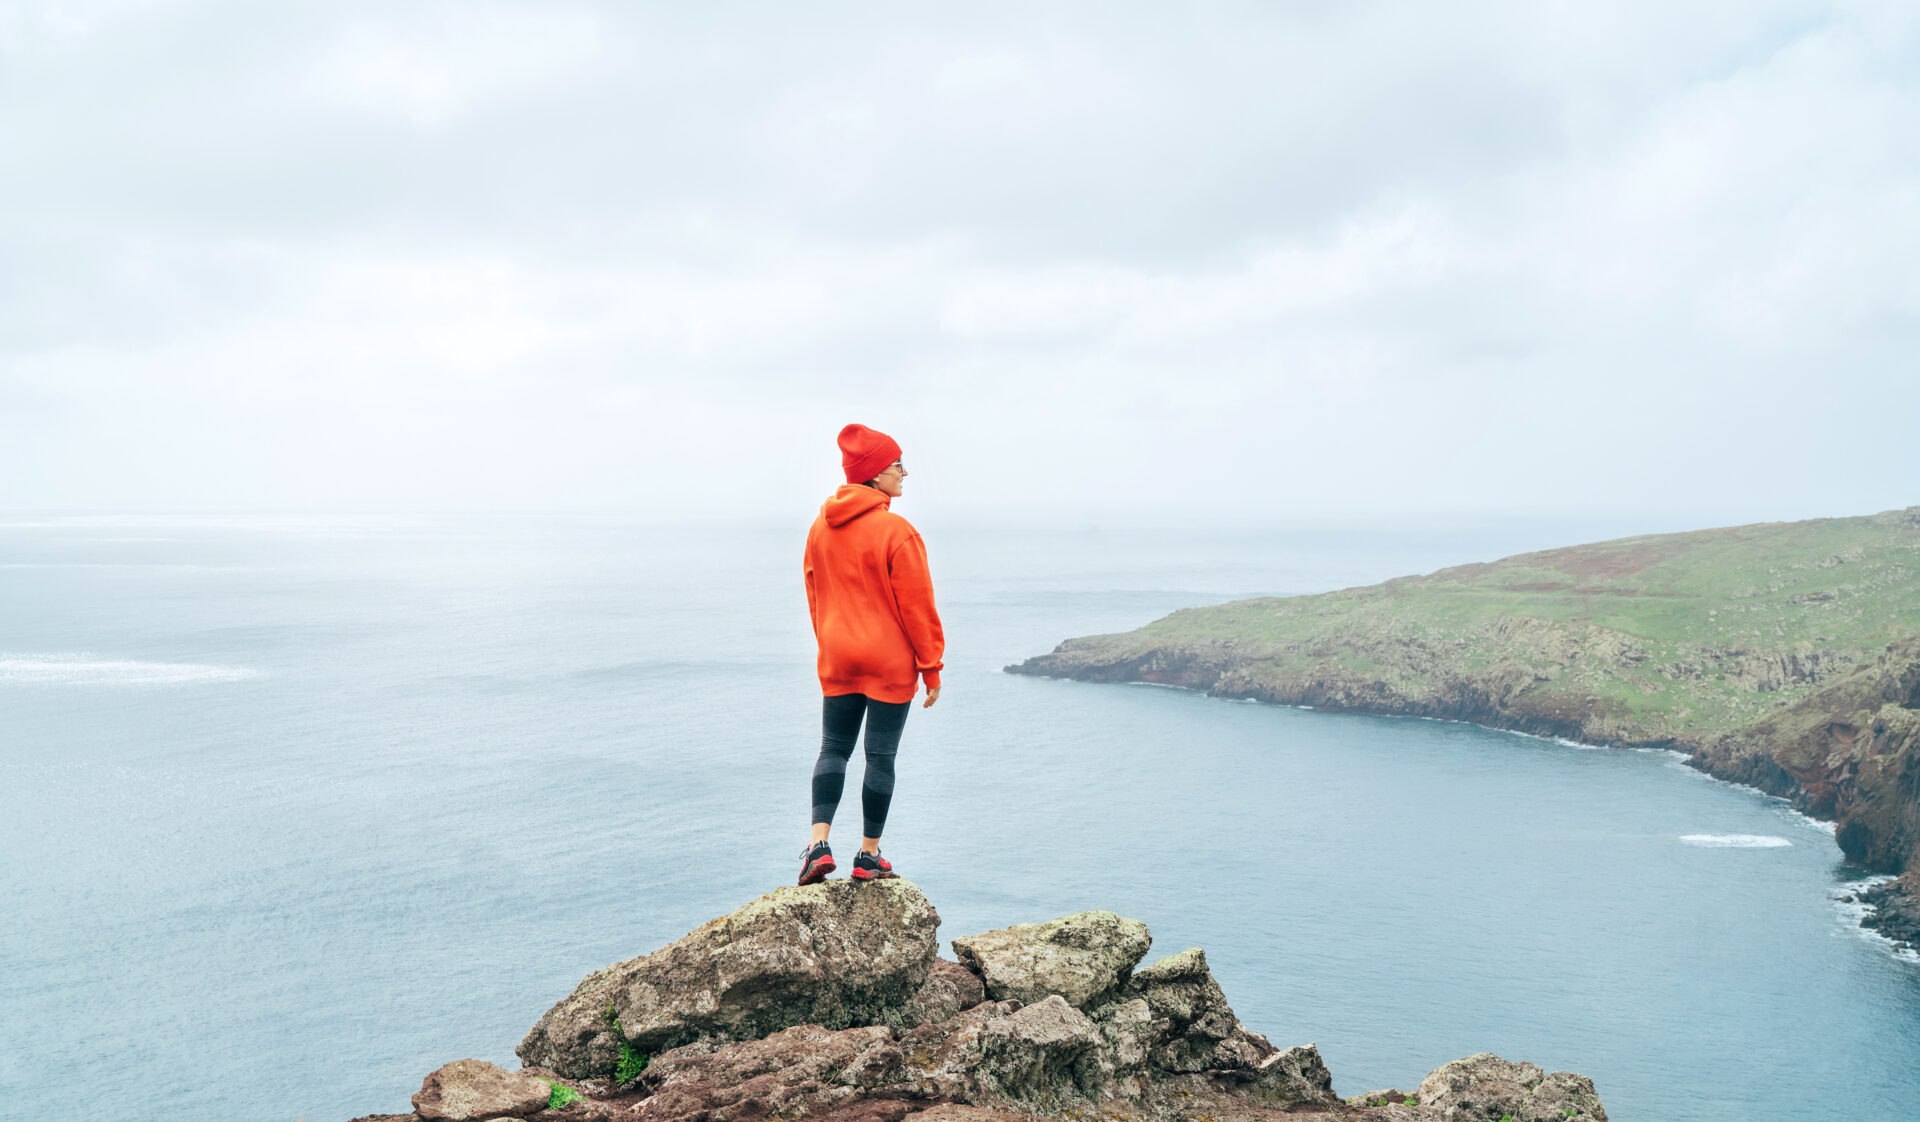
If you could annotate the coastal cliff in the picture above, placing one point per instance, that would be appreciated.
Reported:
(831, 1001)
(1781, 655)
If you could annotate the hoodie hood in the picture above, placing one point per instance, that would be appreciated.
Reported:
(850, 502)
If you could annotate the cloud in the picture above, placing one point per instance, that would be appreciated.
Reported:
(1359, 257)
(426, 70)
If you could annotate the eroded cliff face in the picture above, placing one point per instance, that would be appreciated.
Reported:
(1849, 752)
(831, 1002)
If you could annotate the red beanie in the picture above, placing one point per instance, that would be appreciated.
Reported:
(865, 452)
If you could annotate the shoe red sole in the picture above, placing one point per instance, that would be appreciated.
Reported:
(877, 874)
(817, 872)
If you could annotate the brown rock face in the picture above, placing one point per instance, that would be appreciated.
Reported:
(470, 1090)
(804, 1069)
(1849, 751)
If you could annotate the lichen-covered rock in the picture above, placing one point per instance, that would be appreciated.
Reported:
(470, 1090)
(1080, 957)
(1484, 1086)
(1188, 1029)
(1284, 1075)
(942, 1058)
(1180, 990)
(836, 954)
(1044, 1055)
(1132, 1030)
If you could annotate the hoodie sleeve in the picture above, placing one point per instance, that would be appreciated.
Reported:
(813, 601)
(913, 599)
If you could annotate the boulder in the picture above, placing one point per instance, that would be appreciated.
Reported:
(1044, 1055)
(1079, 957)
(836, 954)
(1284, 1075)
(949, 988)
(1175, 1013)
(470, 1090)
(1180, 990)
(1484, 1086)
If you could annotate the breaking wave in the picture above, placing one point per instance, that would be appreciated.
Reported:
(1735, 841)
(81, 670)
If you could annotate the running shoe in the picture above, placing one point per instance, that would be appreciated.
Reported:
(872, 866)
(816, 861)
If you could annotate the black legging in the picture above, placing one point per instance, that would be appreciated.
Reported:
(839, 728)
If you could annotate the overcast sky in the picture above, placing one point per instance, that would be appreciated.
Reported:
(1289, 259)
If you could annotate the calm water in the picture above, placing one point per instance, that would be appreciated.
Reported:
(296, 811)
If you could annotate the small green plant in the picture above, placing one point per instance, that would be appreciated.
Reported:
(632, 1063)
(562, 1095)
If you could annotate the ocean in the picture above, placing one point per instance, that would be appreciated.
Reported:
(298, 809)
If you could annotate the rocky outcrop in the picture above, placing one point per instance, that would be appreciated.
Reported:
(829, 1002)
(836, 955)
(471, 1090)
(1486, 1086)
(1079, 957)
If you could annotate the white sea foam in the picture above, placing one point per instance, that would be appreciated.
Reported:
(1854, 912)
(1735, 841)
(148, 566)
(1565, 743)
(1809, 821)
(84, 670)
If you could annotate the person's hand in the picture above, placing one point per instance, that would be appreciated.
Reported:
(933, 695)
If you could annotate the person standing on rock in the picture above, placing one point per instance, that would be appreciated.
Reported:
(872, 605)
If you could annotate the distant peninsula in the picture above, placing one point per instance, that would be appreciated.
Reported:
(1785, 655)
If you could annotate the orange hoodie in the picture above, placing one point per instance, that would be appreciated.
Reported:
(871, 599)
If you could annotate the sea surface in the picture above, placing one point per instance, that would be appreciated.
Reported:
(294, 810)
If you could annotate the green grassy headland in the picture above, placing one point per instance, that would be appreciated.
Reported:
(1782, 654)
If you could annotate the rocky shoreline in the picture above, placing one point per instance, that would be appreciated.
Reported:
(1893, 912)
(832, 1002)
